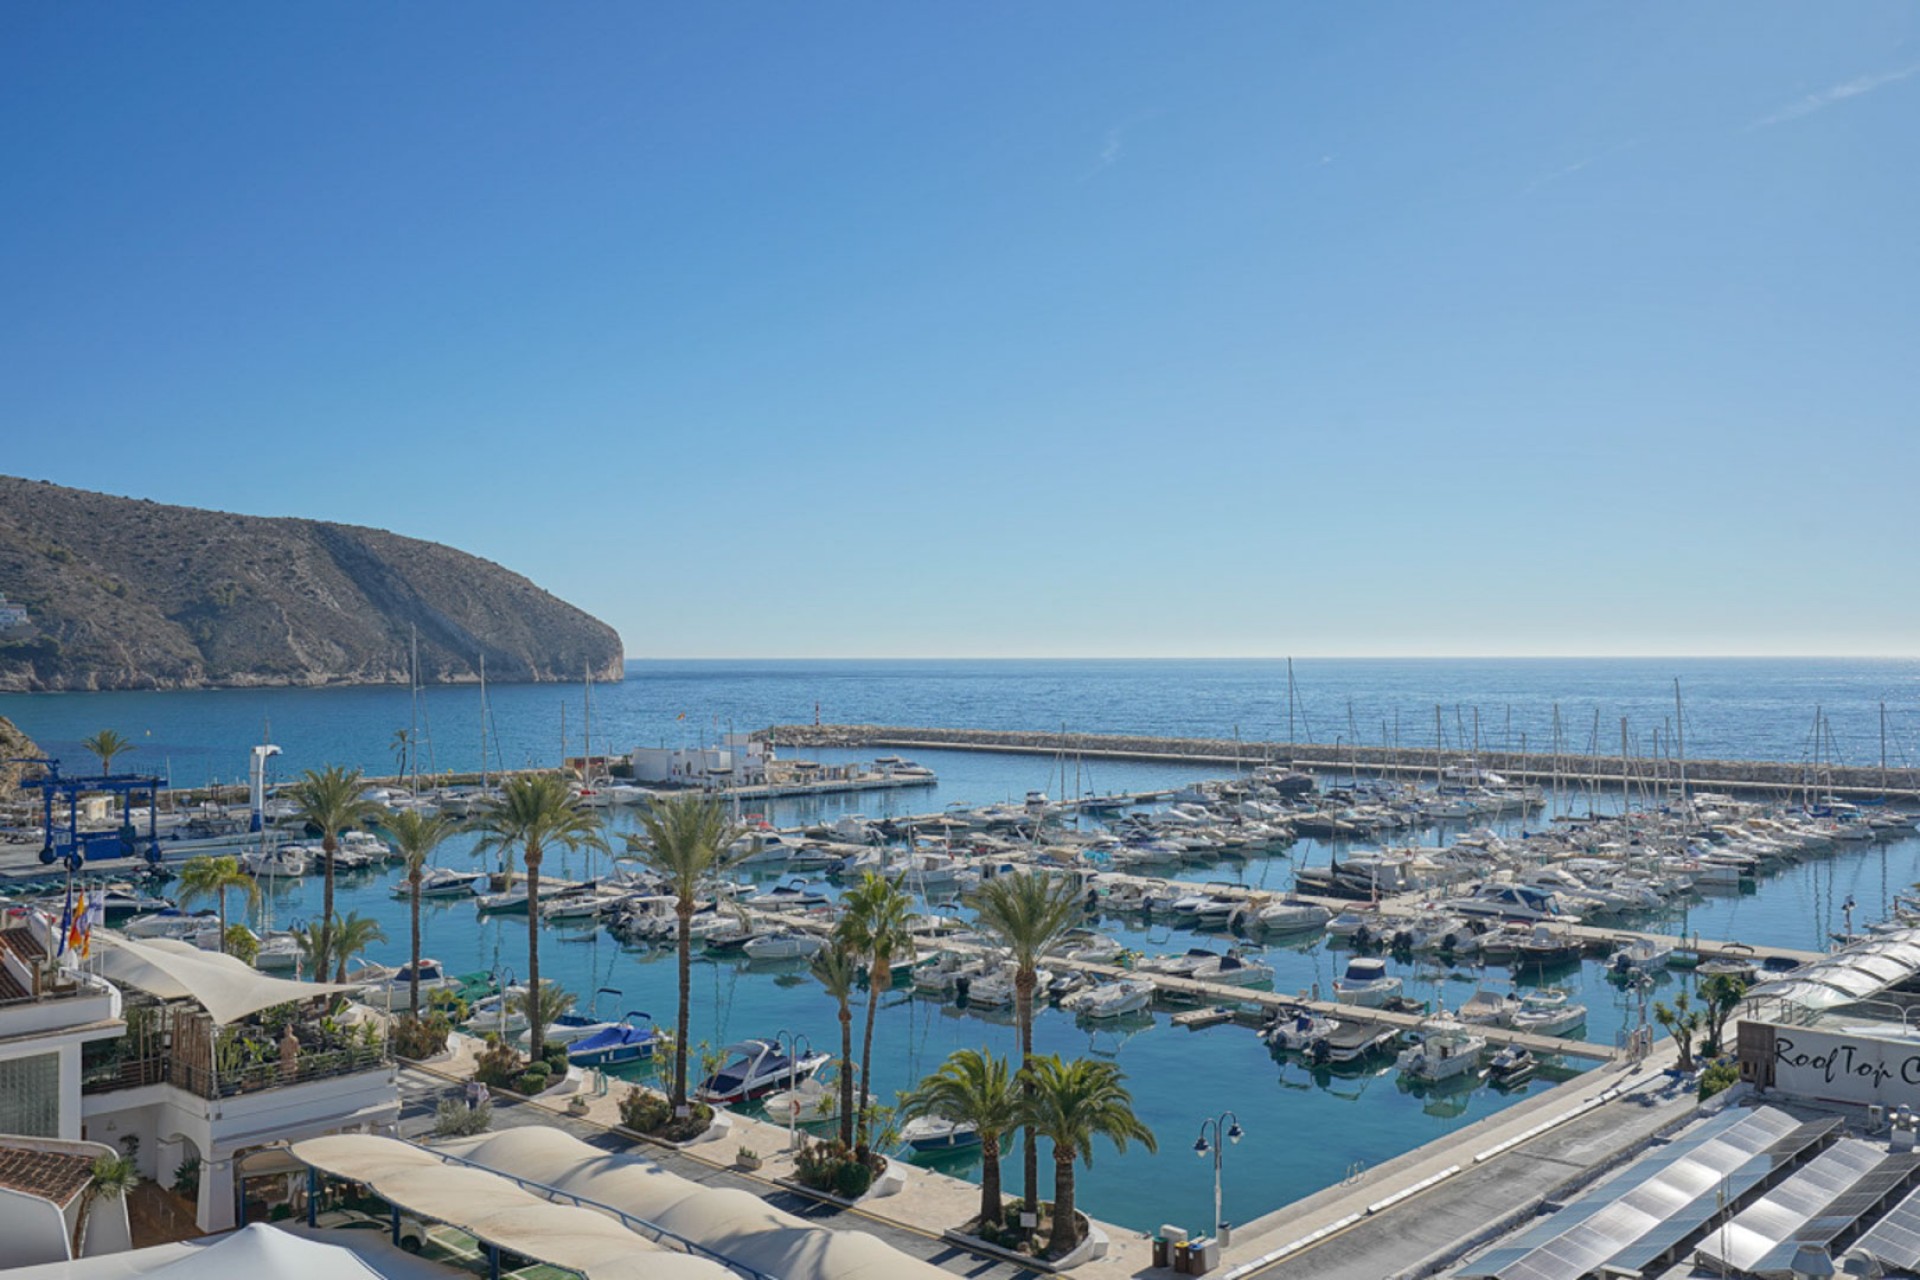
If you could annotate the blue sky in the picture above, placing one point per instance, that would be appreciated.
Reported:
(1062, 329)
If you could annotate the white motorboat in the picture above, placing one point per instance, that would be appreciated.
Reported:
(783, 945)
(173, 923)
(1366, 983)
(1643, 954)
(1299, 1033)
(1291, 915)
(755, 1068)
(1233, 970)
(498, 1014)
(928, 1134)
(1489, 1009)
(1446, 1049)
(444, 882)
(276, 860)
(514, 899)
(1111, 999)
(394, 989)
(278, 953)
(795, 895)
(1548, 1013)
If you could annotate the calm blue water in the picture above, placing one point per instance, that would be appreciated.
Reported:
(1735, 708)
(1305, 1129)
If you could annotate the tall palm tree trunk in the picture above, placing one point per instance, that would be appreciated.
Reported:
(846, 1074)
(536, 1029)
(223, 922)
(989, 1178)
(683, 910)
(1066, 1228)
(327, 845)
(866, 1057)
(1023, 984)
(413, 980)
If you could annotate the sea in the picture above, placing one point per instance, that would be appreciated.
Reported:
(1305, 1128)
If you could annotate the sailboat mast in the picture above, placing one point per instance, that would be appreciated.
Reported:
(1626, 799)
(1680, 739)
(483, 724)
(1883, 751)
(413, 693)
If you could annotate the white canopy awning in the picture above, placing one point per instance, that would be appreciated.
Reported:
(734, 1224)
(495, 1210)
(228, 988)
(252, 1253)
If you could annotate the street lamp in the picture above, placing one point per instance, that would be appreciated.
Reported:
(793, 1041)
(1226, 1126)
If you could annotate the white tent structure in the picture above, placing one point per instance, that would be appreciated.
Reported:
(255, 1253)
(494, 1210)
(227, 987)
(734, 1225)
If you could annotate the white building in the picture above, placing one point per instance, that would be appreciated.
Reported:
(202, 1077)
(12, 615)
(47, 1014)
(739, 761)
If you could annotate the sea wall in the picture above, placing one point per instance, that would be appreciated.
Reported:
(1747, 776)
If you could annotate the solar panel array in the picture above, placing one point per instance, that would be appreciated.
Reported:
(1894, 1241)
(1815, 1205)
(1638, 1215)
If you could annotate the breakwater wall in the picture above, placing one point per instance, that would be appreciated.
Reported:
(1784, 779)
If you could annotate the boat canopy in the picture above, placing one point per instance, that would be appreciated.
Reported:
(227, 987)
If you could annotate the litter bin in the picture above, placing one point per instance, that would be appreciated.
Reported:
(1182, 1258)
(1161, 1252)
(1203, 1255)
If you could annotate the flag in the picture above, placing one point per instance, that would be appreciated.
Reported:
(78, 927)
(96, 917)
(66, 923)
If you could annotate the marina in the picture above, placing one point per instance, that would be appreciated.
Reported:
(1521, 935)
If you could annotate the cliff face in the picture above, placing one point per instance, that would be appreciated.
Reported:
(129, 594)
(14, 745)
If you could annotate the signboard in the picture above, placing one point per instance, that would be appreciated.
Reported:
(1831, 1066)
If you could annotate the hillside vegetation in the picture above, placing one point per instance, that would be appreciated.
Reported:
(130, 594)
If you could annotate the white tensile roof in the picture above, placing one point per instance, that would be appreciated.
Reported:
(495, 1210)
(735, 1225)
(227, 987)
(255, 1252)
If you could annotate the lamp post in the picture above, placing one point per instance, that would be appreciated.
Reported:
(1225, 1128)
(793, 1041)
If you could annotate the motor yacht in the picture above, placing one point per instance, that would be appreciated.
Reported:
(754, 1068)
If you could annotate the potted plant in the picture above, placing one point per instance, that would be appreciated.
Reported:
(748, 1159)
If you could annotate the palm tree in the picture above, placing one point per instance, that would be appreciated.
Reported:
(107, 744)
(973, 1087)
(838, 969)
(876, 924)
(311, 938)
(535, 812)
(544, 1003)
(416, 836)
(1720, 995)
(1071, 1104)
(352, 936)
(110, 1178)
(1682, 1022)
(207, 877)
(329, 800)
(687, 839)
(1028, 913)
(402, 741)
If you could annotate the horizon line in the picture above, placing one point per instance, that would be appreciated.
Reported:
(1295, 657)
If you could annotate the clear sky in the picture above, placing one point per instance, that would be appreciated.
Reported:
(767, 329)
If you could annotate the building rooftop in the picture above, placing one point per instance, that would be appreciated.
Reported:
(58, 1176)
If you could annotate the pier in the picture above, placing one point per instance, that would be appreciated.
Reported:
(1601, 771)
